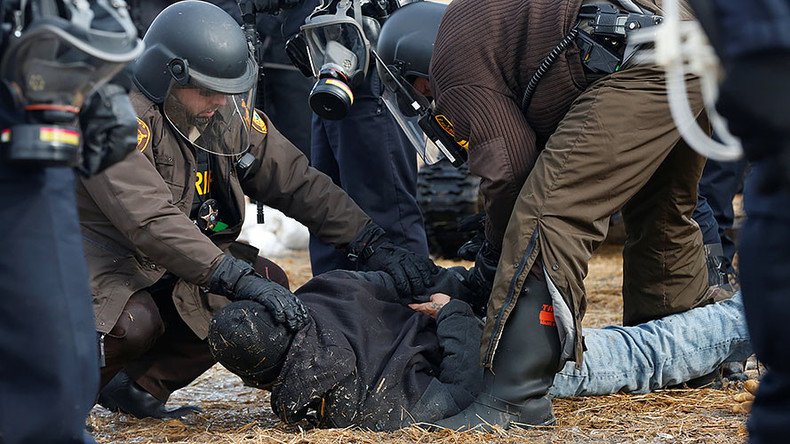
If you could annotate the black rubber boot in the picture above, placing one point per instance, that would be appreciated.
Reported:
(122, 394)
(528, 355)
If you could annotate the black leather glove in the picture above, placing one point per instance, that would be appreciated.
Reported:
(481, 277)
(237, 280)
(474, 224)
(372, 252)
(109, 129)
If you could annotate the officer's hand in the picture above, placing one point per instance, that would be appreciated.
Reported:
(109, 129)
(372, 252)
(279, 301)
(481, 277)
(237, 280)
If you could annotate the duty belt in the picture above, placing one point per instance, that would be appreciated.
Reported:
(601, 33)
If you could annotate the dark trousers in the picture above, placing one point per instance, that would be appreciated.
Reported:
(704, 217)
(718, 185)
(48, 355)
(284, 98)
(367, 155)
(155, 347)
(764, 271)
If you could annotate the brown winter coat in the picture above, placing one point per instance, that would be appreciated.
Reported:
(135, 215)
(552, 175)
(485, 55)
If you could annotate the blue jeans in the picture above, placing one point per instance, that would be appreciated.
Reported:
(658, 353)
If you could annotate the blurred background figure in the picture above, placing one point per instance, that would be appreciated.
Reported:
(752, 40)
(355, 139)
(54, 55)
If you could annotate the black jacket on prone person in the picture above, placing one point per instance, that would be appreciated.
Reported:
(366, 360)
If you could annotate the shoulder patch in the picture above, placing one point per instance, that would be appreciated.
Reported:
(143, 135)
(259, 124)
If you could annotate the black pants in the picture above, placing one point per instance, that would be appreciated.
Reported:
(764, 272)
(49, 369)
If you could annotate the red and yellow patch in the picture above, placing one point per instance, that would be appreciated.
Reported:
(447, 127)
(143, 135)
(259, 124)
(59, 136)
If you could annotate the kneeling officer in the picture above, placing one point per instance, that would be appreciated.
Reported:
(159, 230)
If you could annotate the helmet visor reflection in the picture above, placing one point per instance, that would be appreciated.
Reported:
(215, 122)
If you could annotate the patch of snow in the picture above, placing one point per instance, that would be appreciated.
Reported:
(276, 236)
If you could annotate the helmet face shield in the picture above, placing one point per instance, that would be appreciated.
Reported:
(430, 135)
(410, 126)
(216, 122)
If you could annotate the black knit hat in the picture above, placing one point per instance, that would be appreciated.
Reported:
(244, 337)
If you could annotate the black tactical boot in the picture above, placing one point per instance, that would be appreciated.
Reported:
(528, 355)
(122, 394)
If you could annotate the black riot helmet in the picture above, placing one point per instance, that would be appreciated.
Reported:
(403, 53)
(244, 337)
(200, 68)
(406, 42)
(195, 42)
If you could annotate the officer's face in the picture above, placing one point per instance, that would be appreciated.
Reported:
(199, 103)
(423, 86)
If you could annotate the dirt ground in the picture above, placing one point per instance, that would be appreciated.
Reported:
(237, 414)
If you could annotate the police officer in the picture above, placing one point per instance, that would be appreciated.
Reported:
(49, 371)
(365, 153)
(282, 90)
(563, 132)
(159, 230)
(752, 40)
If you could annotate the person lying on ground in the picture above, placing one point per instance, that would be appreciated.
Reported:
(365, 359)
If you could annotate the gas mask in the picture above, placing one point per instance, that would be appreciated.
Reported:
(52, 64)
(333, 48)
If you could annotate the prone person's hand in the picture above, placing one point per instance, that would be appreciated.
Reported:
(432, 308)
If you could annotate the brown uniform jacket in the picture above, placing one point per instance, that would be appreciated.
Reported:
(485, 54)
(135, 215)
